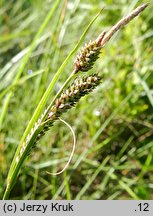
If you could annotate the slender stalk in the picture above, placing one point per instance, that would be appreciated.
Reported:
(72, 75)
(18, 158)
(124, 21)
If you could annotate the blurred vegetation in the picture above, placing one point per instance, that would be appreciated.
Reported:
(114, 124)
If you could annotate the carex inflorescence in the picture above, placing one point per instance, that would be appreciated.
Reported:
(69, 97)
(80, 87)
(88, 55)
(84, 61)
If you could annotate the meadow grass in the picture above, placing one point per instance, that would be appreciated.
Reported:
(113, 125)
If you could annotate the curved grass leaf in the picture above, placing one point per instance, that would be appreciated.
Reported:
(19, 158)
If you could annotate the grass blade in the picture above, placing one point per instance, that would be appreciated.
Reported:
(17, 161)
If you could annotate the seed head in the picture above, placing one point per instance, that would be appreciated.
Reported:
(88, 55)
(79, 88)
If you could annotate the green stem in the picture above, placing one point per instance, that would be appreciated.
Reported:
(11, 179)
(19, 157)
(59, 92)
(16, 165)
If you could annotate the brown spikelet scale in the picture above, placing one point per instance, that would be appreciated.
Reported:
(88, 55)
(79, 88)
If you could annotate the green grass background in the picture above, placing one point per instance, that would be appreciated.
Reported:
(114, 124)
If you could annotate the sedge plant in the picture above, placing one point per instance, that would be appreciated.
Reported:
(67, 96)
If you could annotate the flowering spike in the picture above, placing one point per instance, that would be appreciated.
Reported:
(79, 88)
(88, 55)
